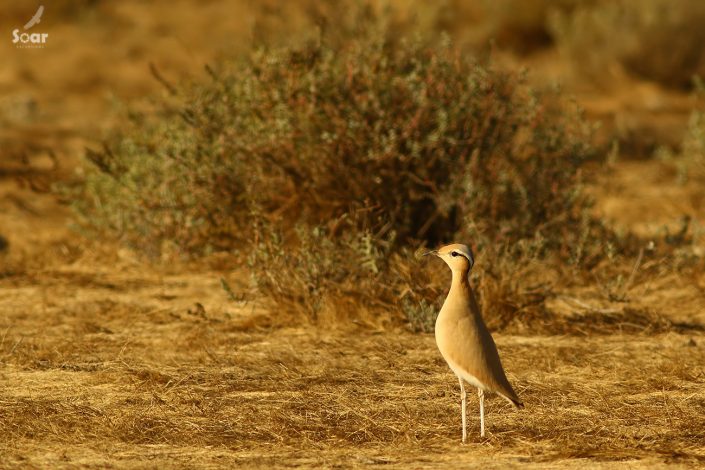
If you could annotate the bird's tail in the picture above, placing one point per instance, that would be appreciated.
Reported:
(514, 401)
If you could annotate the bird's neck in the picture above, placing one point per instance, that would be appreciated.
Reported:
(460, 282)
(460, 288)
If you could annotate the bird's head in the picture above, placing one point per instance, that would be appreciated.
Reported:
(457, 256)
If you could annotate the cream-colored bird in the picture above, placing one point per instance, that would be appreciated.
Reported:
(464, 340)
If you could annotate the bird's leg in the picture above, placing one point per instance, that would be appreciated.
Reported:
(481, 394)
(463, 399)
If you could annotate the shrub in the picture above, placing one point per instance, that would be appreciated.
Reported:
(523, 25)
(364, 148)
(692, 161)
(689, 161)
(323, 277)
(660, 40)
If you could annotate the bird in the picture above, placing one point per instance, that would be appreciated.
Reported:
(463, 338)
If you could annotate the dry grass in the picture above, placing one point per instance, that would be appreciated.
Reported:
(120, 367)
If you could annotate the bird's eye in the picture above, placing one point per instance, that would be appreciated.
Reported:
(454, 254)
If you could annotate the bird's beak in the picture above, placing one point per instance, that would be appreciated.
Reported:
(432, 252)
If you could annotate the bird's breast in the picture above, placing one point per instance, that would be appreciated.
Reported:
(451, 330)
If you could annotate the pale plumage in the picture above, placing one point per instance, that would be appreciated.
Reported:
(463, 339)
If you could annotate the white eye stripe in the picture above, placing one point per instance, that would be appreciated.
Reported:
(468, 256)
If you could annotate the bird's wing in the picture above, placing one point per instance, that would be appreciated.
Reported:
(477, 355)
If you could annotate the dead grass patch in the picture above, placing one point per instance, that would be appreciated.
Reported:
(182, 385)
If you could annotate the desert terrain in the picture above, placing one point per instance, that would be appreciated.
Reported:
(113, 359)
